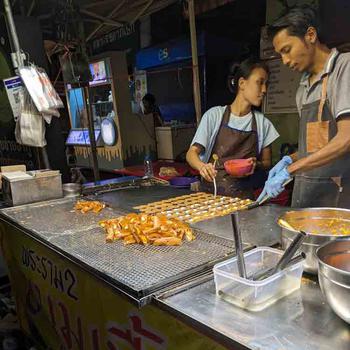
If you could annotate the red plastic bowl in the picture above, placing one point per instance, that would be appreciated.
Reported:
(238, 167)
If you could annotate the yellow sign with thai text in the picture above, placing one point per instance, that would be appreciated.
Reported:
(61, 306)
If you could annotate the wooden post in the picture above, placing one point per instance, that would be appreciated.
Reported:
(196, 86)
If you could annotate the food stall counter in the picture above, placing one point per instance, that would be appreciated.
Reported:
(61, 266)
(302, 320)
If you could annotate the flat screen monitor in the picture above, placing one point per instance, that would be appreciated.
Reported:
(77, 107)
(81, 137)
(98, 72)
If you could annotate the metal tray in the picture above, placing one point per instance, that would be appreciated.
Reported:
(143, 270)
(137, 270)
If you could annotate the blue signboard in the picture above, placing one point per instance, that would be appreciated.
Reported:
(171, 52)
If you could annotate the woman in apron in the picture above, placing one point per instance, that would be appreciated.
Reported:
(236, 131)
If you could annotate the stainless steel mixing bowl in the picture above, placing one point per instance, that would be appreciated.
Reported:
(315, 222)
(334, 275)
(71, 189)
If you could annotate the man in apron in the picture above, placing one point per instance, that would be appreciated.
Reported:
(321, 166)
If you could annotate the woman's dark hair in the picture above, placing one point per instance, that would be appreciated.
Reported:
(149, 98)
(243, 70)
(297, 21)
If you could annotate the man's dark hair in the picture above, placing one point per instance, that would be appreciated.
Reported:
(297, 21)
(149, 98)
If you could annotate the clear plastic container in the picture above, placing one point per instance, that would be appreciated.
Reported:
(256, 295)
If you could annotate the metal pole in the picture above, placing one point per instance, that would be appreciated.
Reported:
(196, 85)
(45, 158)
(93, 147)
(17, 58)
(18, 61)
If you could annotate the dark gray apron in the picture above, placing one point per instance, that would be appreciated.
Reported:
(231, 143)
(326, 186)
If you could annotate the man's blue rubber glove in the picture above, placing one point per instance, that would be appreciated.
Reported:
(284, 162)
(274, 186)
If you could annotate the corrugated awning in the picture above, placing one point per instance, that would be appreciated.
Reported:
(102, 16)
(99, 16)
(207, 5)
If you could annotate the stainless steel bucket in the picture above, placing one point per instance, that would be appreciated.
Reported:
(71, 190)
(334, 275)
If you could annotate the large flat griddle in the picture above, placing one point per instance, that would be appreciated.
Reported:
(135, 269)
(142, 270)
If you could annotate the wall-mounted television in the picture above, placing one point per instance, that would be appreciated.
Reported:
(98, 72)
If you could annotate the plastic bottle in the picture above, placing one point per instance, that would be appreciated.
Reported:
(148, 167)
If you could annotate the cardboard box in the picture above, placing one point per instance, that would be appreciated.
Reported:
(10, 168)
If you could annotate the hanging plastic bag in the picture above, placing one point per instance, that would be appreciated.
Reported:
(30, 126)
(41, 90)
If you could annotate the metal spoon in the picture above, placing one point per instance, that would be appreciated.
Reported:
(289, 253)
(216, 158)
(266, 198)
(261, 275)
(286, 224)
(238, 244)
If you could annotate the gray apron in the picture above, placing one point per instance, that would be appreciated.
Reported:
(329, 185)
